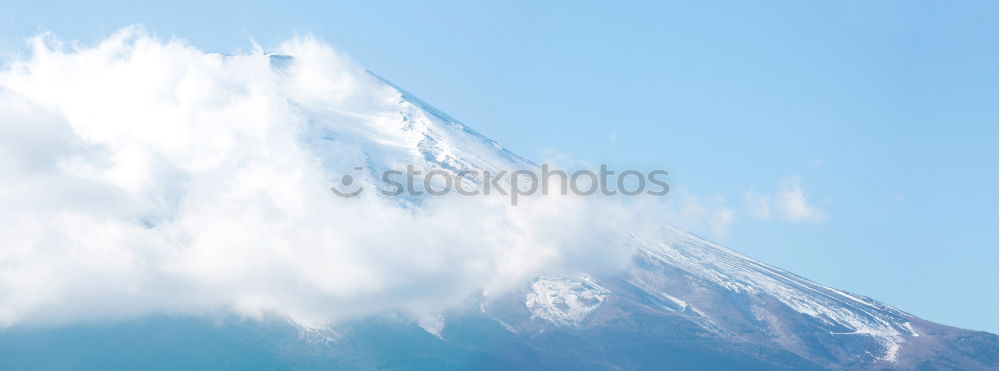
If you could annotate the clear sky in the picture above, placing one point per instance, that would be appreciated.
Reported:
(851, 142)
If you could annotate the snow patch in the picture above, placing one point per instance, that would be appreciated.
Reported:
(318, 334)
(564, 301)
(433, 323)
(680, 303)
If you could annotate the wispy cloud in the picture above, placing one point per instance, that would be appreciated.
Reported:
(789, 203)
(705, 215)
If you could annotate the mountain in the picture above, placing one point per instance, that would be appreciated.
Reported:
(681, 303)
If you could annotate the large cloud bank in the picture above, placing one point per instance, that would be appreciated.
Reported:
(140, 175)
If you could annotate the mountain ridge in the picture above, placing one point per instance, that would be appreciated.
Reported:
(785, 309)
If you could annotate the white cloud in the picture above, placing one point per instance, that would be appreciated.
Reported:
(141, 175)
(789, 203)
(145, 176)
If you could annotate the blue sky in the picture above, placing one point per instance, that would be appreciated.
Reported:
(881, 115)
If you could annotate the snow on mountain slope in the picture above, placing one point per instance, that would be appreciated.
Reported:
(838, 312)
(415, 132)
(397, 131)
